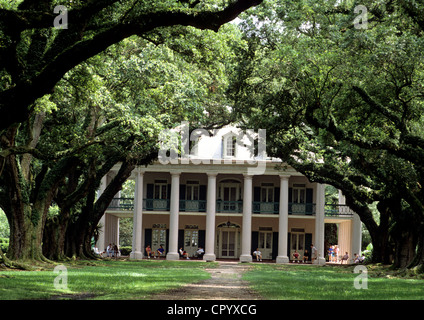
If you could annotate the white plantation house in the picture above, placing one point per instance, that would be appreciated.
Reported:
(228, 201)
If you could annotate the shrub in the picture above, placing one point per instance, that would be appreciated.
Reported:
(4, 244)
(126, 250)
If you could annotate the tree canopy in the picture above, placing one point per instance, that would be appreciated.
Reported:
(34, 56)
(343, 105)
(75, 102)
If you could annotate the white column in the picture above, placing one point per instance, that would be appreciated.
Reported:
(246, 236)
(137, 250)
(356, 241)
(345, 238)
(101, 241)
(319, 223)
(210, 218)
(354, 233)
(173, 217)
(283, 220)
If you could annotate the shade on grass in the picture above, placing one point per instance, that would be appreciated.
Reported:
(309, 282)
(106, 280)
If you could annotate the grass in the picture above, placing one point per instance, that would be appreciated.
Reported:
(115, 280)
(138, 280)
(307, 282)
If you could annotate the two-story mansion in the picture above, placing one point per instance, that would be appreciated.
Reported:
(230, 202)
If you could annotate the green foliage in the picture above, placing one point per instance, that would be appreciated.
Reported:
(125, 250)
(4, 244)
(100, 92)
(4, 226)
(342, 105)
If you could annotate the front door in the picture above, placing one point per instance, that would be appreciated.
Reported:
(297, 243)
(228, 242)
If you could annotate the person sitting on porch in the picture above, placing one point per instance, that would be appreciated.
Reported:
(344, 258)
(200, 252)
(306, 256)
(296, 256)
(148, 251)
(257, 254)
(96, 251)
(116, 252)
(109, 250)
(355, 258)
(184, 254)
(160, 251)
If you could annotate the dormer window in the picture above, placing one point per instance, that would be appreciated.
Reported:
(229, 144)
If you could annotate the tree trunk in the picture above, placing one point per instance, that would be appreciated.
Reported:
(54, 238)
(80, 233)
(404, 251)
(418, 261)
(25, 234)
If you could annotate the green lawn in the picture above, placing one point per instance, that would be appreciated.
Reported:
(127, 280)
(118, 280)
(308, 282)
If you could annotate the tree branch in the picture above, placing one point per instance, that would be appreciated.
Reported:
(21, 96)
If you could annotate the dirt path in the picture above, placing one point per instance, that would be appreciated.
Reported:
(225, 284)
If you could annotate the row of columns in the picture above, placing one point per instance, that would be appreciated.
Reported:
(209, 255)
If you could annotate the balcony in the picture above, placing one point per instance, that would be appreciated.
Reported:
(193, 205)
(229, 206)
(156, 204)
(338, 210)
(305, 209)
(266, 207)
(124, 204)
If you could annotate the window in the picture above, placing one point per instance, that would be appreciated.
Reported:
(299, 193)
(191, 238)
(160, 189)
(267, 192)
(159, 236)
(192, 190)
(229, 146)
(265, 240)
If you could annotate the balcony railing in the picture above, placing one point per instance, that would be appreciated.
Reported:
(331, 210)
(266, 207)
(156, 204)
(337, 210)
(302, 209)
(229, 206)
(121, 204)
(193, 205)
